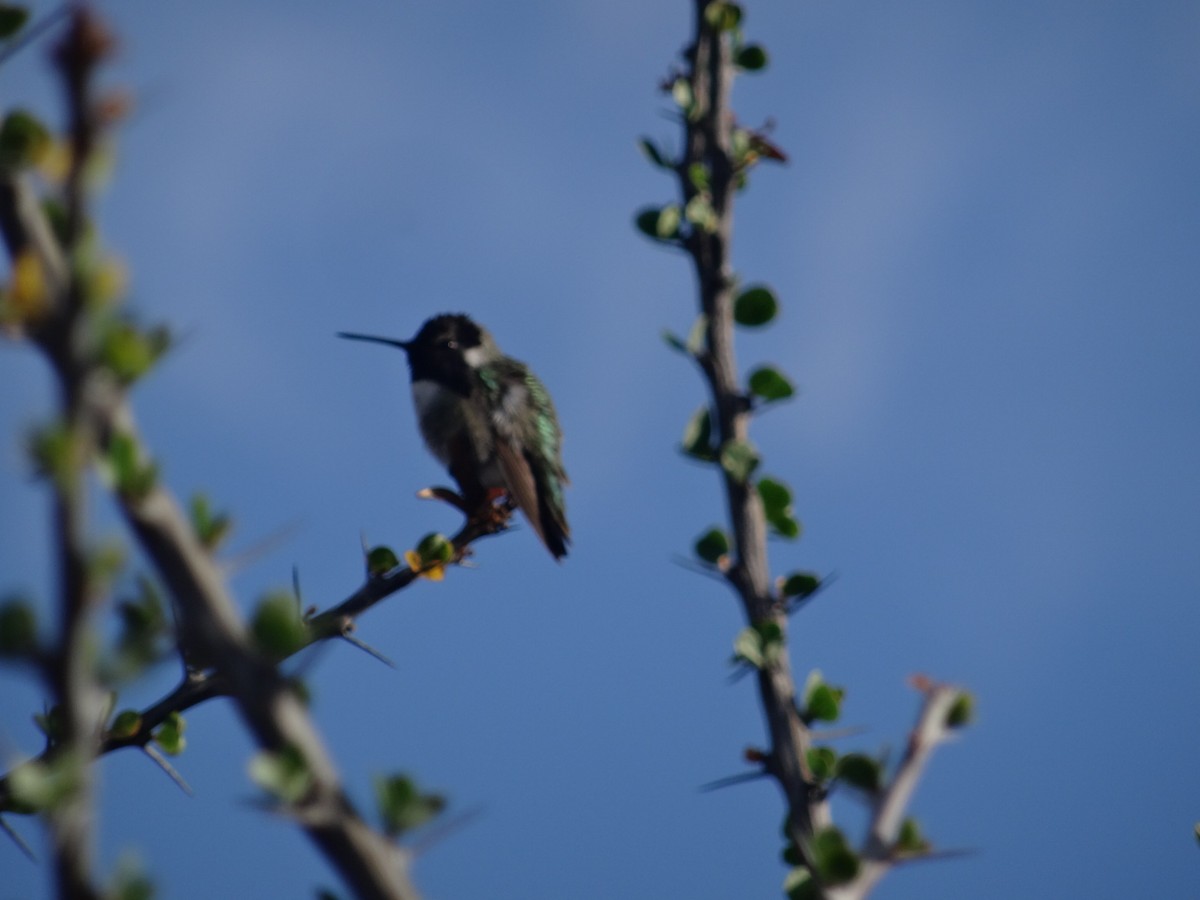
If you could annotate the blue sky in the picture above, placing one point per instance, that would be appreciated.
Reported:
(985, 245)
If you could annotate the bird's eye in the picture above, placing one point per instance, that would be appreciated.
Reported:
(451, 345)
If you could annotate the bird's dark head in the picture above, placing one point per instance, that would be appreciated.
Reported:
(444, 350)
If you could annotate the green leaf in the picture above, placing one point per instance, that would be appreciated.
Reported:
(739, 147)
(211, 528)
(124, 470)
(836, 863)
(129, 352)
(659, 224)
(381, 560)
(739, 459)
(785, 526)
(770, 385)
(698, 176)
(755, 307)
(23, 140)
(775, 495)
(277, 626)
(654, 154)
(747, 648)
(54, 453)
(12, 20)
(284, 775)
(910, 841)
(45, 785)
(799, 885)
(962, 712)
(435, 547)
(681, 92)
(699, 212)
(822, 762)
(169, 735)
(860, 771)
(759, 645)
(402, 806)
(822, 702)
(799, 585)
(126, 724)
(712, 546)
(751, 58)
(697, 436)
(777, 507)
(722, 15)
(130, 882)
(105, 562)
(18, 629)
(142, 639)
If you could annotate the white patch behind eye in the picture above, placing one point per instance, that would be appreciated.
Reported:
(475, 357)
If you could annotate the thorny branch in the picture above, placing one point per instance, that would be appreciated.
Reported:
(709, 147)
(708, 142)
(220, 661)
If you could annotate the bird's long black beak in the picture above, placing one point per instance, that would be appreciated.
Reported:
(391, 342)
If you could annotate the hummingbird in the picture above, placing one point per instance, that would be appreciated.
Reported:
(489, 420)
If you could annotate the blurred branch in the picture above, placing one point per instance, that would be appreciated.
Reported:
(934, 727)
(97, 421)
(69, 670)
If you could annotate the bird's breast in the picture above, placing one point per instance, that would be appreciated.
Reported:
(439, 415)
(429, 398)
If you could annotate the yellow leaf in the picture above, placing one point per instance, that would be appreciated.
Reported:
(109, 282)
(431, 569)
(54, 162)
(28, 297)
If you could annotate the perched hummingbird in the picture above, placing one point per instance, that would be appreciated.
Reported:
(489, 421)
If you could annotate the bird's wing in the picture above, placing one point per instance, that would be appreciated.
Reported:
(518, 476)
